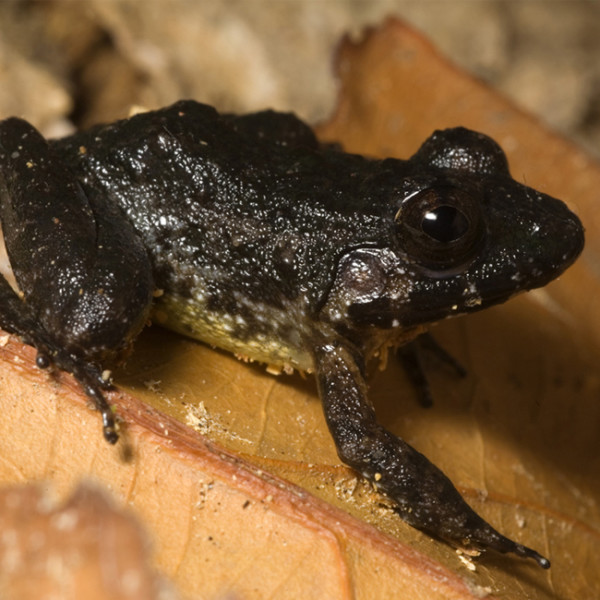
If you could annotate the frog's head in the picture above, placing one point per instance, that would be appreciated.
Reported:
(464, 235)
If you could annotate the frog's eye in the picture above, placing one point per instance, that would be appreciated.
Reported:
(440, 228)
(445, 223)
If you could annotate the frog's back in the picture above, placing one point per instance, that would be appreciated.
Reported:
(244, 219)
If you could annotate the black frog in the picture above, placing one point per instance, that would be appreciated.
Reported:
(246, 233)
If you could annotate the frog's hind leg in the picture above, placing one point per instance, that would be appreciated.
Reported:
(16, 318)
(424, 497)
(85, 280)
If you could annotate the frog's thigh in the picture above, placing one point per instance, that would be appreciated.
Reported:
(45, 215)
(79, 264)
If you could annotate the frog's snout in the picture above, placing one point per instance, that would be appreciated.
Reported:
(556, 241)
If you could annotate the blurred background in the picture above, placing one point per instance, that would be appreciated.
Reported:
(66, 64)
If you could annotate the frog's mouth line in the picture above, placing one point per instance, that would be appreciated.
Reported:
(474, 300)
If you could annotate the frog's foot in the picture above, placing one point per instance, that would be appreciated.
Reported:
(93, 383)
(18, 318)
(424, 497)
(109, 425)
(92, 380)
(411, 358)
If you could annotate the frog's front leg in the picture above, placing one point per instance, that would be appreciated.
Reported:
(85, 280)
(424, 497)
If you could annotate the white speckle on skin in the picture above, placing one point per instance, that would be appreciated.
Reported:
(474, 301)
(474, 298)
(472, 289)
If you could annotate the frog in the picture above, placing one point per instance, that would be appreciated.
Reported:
(247, 233)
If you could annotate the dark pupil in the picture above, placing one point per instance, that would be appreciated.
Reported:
(445, 224)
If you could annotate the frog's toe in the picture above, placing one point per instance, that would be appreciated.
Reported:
(530, 553)
(93, 380)
(42, 360)
(109, 425)
(94, 384)
(485, 537)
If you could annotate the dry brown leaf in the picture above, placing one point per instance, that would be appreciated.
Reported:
(519, 436)
(83, 548)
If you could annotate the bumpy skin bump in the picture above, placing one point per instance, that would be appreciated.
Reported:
(269, 245)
